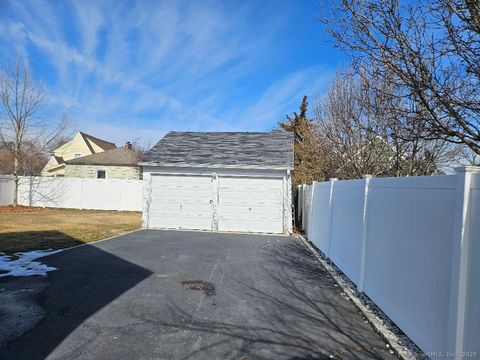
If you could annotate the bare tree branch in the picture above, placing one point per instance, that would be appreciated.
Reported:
(25, 131)
(429, 50)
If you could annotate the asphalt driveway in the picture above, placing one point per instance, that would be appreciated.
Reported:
(187, 295)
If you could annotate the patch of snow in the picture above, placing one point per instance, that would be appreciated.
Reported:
(23, 264)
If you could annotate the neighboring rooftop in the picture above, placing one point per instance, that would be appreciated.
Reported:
(267, 150)
(117, 156)
(59, 159)
(105, 145)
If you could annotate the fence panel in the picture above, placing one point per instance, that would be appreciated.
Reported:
(6, 190)
(412, 245)
(319, 228)
(346, 240)
(110, 198)
(75, 193)
(409, 255)
(307, 201)
(131, 194)
(49, 192)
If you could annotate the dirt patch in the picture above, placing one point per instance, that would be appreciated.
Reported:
(10, 209)
(200, 285)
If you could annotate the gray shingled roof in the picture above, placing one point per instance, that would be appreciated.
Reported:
(117, 156)
(265, 150)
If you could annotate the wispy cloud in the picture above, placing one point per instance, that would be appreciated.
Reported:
(139, 68)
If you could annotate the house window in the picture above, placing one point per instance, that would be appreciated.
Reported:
(101, 174)
(77, 155)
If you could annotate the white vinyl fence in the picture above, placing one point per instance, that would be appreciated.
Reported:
(412, 245)
(59, 192)
(6, 190)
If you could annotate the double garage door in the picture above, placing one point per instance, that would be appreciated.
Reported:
(217, 203)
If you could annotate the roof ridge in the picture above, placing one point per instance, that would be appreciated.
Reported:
(228, 132)
(103, 154)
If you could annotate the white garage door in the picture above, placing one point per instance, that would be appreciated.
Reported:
(241, 204)
(250, 204)
(181, 202)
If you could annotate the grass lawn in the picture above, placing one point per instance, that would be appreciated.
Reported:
(26, 229)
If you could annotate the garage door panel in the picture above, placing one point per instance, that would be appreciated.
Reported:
(249, 204)
(181, 202)
(165, 207)
(183, 194)
(251, 197)
(244, 201)
(233, 210)
(249, 226)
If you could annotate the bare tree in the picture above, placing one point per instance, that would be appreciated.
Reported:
(29, 165)
(362, 129)
(429, 50)
(139, 147)
(24, 121)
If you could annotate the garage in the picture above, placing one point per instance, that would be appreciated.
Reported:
(219, 181)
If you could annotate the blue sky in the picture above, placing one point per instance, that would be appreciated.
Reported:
(124, 70)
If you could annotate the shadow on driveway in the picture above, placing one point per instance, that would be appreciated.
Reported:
(297, 312)
(267, 298)
(92, 280)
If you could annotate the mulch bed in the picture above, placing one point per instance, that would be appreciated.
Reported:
(10, 209)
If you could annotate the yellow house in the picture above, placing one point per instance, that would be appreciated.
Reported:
(81, 145)
(119, 163)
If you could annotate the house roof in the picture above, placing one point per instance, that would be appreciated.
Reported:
(59, 159)
(116, 157)
(105, 145)
(264, 150)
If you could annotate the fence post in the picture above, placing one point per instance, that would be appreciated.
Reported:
(461, 258)
(303, 207)
(330, 215)
(310, 211)
(363, 255)
(298, 205)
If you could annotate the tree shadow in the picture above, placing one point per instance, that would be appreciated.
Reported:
(44, 191)
(87, 280)
(11, 242)
(277, 305)
(299, 312)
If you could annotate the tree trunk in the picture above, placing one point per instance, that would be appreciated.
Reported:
(16, 166)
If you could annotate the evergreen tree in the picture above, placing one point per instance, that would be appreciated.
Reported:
(308, 148)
